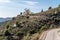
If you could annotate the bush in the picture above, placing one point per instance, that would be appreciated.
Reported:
(27, 17)
(7, 33)
(49, 8)
(32, 31)
(7, 26)
(21, 13)
(17, 24)
(20, 34)
(13, 18)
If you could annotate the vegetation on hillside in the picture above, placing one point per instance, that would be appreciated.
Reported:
(29, 26)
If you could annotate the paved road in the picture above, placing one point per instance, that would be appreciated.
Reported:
(51, 35)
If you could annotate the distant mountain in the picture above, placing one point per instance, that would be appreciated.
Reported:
(4, 19)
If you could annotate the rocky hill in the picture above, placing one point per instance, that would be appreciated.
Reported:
(29, 26)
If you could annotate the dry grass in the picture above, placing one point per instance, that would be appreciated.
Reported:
(32, 37)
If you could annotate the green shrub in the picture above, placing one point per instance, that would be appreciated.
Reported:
(7, 26)
(49, 8)
(17, 24)
(32, 31)
(19, 34)
(7, 33)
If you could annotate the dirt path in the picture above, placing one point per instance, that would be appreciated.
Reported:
(43, 35)
(50, 35)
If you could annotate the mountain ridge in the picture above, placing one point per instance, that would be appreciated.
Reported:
(4, 19)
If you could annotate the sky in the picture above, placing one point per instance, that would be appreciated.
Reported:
(11, 8)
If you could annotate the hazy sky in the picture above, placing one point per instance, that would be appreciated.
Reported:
(10, 8)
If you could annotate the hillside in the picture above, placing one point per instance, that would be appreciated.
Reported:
(29, 26)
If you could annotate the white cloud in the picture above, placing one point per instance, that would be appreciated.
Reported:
(4, 1)
(30, 2)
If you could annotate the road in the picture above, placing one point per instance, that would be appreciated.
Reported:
(53, 34)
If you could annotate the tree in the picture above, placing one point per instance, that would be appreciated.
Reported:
(21, 13)
(49, 8)
(59, 5)
(42, 10)
(27, 11)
